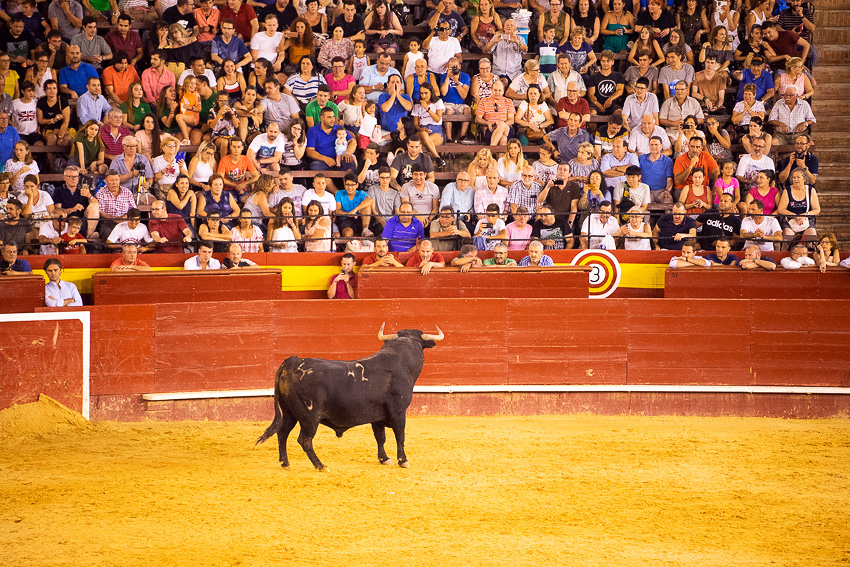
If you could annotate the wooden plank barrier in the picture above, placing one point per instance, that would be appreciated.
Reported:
(490, 282)
(115, 288)
(734, 283)
(21, 294)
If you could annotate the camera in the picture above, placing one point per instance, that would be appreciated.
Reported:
(558, 182)
(455, 70)
(487, 225)
(138, 166)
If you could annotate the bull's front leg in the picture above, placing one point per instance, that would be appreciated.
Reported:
(305, 439)
(398, 423)
(381, 437)
(287, 424)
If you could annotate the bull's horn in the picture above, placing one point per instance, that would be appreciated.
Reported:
(435, 338)
(383, 337)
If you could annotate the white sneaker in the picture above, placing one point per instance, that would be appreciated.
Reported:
(367, 233)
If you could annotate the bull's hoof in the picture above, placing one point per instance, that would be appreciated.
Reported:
(404, 464)
(324, 469)
(284, 466)
(386, 461)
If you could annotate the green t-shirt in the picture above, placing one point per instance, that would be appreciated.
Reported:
(314, 110)
(101, 5)
(91, 149)
(162, 127)
(139, 113)
(207, 105)
(492, 262)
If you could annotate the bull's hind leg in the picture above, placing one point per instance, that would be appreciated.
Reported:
(398, 422)
(288, 422)
(305, 439)
(381, 437)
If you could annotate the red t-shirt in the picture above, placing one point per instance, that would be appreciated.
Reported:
(67, 248)
(372, 258)
(786, 43)
(342, 289)
(242, 19)
(170, 229)
(683, 161)
(580, 107)
(416, 259)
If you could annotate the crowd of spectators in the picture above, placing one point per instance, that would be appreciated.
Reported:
(198, 128)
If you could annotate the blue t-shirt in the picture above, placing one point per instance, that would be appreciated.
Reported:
(8, 138)
(763, 83)
(730, 260)
(76, 80)
(389, 120)
(452, 96)
(402, 238)
(322, 142)
(655, 173)
(349, 204)
(235, 50)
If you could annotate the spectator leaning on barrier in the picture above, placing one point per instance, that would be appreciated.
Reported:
(721, 253)
(799, 258)
(753, 260)
(129, 260)
(235, 261)
(382, 257)
(467, 258)
(760, 230)
(425, 258)
(500, 257)
(688, 259)
(57, 292)
(10, 264)
(536, 258)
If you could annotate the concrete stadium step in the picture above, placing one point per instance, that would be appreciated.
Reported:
(829, 5)
(829, 139)
(824, 108)
(830, 18)
(834, 55)
(830, 91)
(834, 33)
(833, 123)
(834, 74)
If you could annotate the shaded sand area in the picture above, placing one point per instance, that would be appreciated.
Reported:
(573, 490)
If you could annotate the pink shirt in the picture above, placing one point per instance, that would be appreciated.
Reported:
(203, 21)
(153, 84)
(342, 85)
(518, 239)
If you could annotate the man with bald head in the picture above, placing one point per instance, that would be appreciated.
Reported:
(639, 137)
(425, 258)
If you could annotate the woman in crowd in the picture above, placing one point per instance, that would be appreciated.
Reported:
(636, 232)
(677, 43)
(340, 82)
(593, 192)
(149, 138)
(761, 11)
(479, 166)
(530, 76)
(484, 26)
(168, 108)
(87, 151)
(826, 253)
(755, 131)
(41, 73)
(181, 200)
(616, 27)
(54, 115)
(685, 133)
(11, 76)
(211, 228)
(519, 231)
(299, 44)
(583, 164)
(202, 167)
(190, 110)
(428, 116)
(580, 51)
(718, 46)
(351, 110)
(249, 111)
(135, 108)
(261, 73)
(646, 42)
(800, 206)
(586, 18)
(317, 229)
(794, 76)
(546, 167)
(167, 167)
(697, 195)
(284, 233)
(336, 46)
(38, 204)
(420, 76)
(305, 84)
(692, 21)
(482, 83)
(231, 82)
(316, 21)
(247, 234)
(295, 145)
(157, 39)
(217, 201)
(258, 201)
(764, 191)
(383, 29)
(511, 164)
(557, 17)
(533, 117)
(718, 143)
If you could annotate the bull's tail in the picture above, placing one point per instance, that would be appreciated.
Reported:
(277, 422)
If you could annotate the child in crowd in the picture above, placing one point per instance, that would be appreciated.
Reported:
(190, 108)
(547, 52)
(369, 129)
(727, 183)
(72, 241)
(341, 145)
(411, 57)
(360, 60)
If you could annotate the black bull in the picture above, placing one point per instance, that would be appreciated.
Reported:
(344, 394)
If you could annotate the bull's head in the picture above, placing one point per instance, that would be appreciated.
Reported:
(427, 340)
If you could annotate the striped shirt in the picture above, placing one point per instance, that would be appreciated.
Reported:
(115, 206)
(792, 118)
(496, 110)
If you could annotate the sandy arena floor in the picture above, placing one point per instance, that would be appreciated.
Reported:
(541, 491)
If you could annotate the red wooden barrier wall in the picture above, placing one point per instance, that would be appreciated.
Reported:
(734, 283)
(21, 294)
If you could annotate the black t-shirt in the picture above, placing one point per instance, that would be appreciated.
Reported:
(285, 17)
(556, 231)
(16, 233)
(666, 230)
(606, 85)
(715, 225)
(745, 49)
(665, 21)
(561, 198)
(348, 29)
(404, 165)
(68, 200)
(173, 16)
(20, 46)
(50, 111)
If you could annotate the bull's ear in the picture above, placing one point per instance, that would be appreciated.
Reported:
(383, 337)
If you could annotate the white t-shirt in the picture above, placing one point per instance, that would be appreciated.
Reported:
(637, 243)
(266, 46)
(327, 200)
(122, 232)
(538, 115)
(24, 117)
(172, 170)
(48, 231)
(440, 52)
(758, 106)
(768, 225)
(263, 148)
(194, 263)
(497, 228)
(425, 118)
(284, 240)
(748, 167)
(207, 73)
(639, 196)
(599, 234)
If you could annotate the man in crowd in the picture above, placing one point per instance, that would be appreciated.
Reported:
(554, 232)
(758, 229)
(640, 104)
(168, 230)
(614, 164)
(129, 260)
(500, 257)
(244, 18)
(74, 78)
(536, 258)
(722, 223)
(344, 284)
(352, 209)
(657, 168)
(559, 85)
(403, 230)
(118, 78)
(10, 264)
(382, 257)
(401, 171)
(603, 142)
(753, 260)
(598, 228)
(507, 48)
(385, 200)
(467, 258)
(695, 157)
(572, 101)
(57, 292)
(266, 150)
(524, 192)
(350, 22)
(114, 202)
(321, 141)
(183, 13)
(447, 231)
(134, 169)
(801, 158)
(799, 258)
(676, 71)
(14, 228)
(459, 196)
(442, 48)
(567, 140)
(93, 48)
(689, 259)
(235, 261)
(632, 192)
(92, 105)
(674, 228)
(790, 117)
(203, 260)
(228, 46)
(157, 78)
(76, 200)
(280, 107)
(561, 195)
(66, 16)
(376, 77)
(721, 254)
(125, 40)
(422, 194)
(676, 108)
(605, 88)
(758, 76)
(131, 230)
(425, 258)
